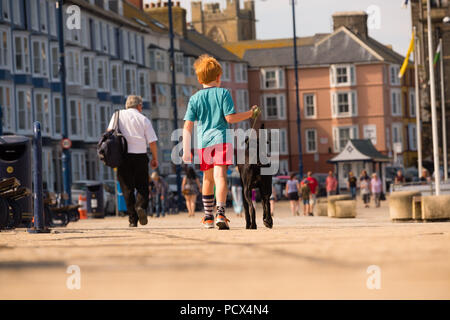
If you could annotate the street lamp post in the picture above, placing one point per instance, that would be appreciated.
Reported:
(299, 133)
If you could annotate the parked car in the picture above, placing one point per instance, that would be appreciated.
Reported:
(391, 172)
(411, 174)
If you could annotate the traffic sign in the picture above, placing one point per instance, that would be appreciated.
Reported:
(66, 143)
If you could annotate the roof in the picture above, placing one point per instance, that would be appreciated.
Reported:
(240, 47)
(360, 150)
(342, 46)
(196, 44)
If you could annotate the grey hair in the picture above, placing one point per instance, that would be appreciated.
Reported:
(133, 102)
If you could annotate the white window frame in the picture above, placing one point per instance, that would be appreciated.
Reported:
(281, 106)
(78, 117)
(73, 66)
(352, 98)
(145, 94)
(394, 70)
(242, 100)
(284, 141)
(88, 69)
(308, 140)
(131, 81)
(279, 82)
(396, 102)
(412, 137)
(78, 162)
(40, 57)
(160, 60)
(102, 63)
(397, 127)
(28, 111)
(161, 91)
(90, 110)
(5, 48)
(240, 72)
(226, 74)
(97, 35)
(8, 107)
(44, 115)
(104, 116)
(353, 134)
(306, 105)
(54, 49)
(24, 54)
(43, 16)
(179, 62)
(350, 74)
(117, 91)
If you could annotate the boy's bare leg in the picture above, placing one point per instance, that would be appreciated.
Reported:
(208, 182)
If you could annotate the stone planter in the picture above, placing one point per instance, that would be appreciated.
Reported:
(345, 209)
(436, 208)
(331, 203)
(401, 205)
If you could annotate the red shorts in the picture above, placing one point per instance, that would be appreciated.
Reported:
(217, 155)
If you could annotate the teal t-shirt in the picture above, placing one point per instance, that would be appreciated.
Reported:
(209, 107)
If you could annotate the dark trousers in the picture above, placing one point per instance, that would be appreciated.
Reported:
(133, 175)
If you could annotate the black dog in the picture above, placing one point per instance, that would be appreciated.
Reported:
(251, 178)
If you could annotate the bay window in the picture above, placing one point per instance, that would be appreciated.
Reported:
(116, 78)
(102, 74)
(22, 56)
(88, 71)
(54, 52)
(40, 58)
(57, 116)
(130, 81)
(5, 49)
(76, 119)
(73, 66)
(8, 107)
(104, 116)
(92, 131)
(42, 112)
(144, 85)
(24, 111)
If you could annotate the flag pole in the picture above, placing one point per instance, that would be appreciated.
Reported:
(444, 122)
(437, 176)
(417, 97)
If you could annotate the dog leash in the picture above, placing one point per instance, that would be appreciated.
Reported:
(256, 114)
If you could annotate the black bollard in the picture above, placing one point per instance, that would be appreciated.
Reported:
(38, 195)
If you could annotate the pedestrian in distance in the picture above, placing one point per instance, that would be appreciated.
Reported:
(399, 178)
(331, 184)
(133, 172)
(159, 195)
(351, 184)
(236, 193)
(191, 187)
(292, 190)
(313, 186)
(213, 109)
(306, 197)
(376, 187)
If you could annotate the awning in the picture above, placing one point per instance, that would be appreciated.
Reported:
(359, 150)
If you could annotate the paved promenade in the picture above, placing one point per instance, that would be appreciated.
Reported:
(174, 258)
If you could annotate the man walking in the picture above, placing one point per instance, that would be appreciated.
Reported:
(133, 172)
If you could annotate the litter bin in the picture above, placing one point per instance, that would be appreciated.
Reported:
(94, 198)
(15, 162)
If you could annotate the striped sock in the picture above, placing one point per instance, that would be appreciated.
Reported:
(221, 208)
(208, 204)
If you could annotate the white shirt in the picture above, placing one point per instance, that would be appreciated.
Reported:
(136, 128)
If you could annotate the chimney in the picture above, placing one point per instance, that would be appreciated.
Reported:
(356, 21)
(160, 12)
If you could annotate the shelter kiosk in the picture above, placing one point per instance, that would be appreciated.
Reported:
(359, 155)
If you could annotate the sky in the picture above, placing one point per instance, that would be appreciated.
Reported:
(392, 25)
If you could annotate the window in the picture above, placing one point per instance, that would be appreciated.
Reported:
(160, 60)
(40, 58)
(24, 111)
(43, 112)
(240, 70)
(397, 135)
(6, 14)
(104, 116)
(34, 15)
(161, 93)
(22, 59)
(179, 62)
(112, 41)
(394, 71)
(43, 15)
(88, 71)
(226, 68)
(51, 17)
(144, 85)
(412, 103)
(311, 140)
(412, 134)
(105, 38)
(283, 142)
(75, 119)
(73, 67)
(57, 115)
(309, 105)
(183, 96)
(86, 33)
(342, 75)
(164, 133)
(78, 158)
(8, 108)
(125, 45)
(396, 106)
(242, 103)
(132, 46)
(139, 43)
(17, 8)
(130, 81)
(97, 36)
(344, 104)
(54, 51)
(116, 79)
(273, 78)
(341, 135)
(91, 121)
(4, 49)
(274, 106)
(48, 171)
(102, 74)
